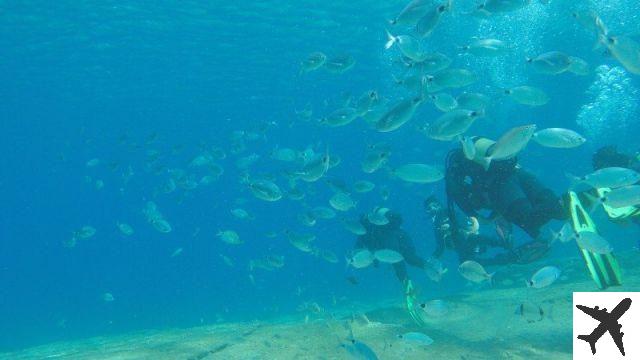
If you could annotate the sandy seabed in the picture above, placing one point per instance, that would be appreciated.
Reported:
(481, 323)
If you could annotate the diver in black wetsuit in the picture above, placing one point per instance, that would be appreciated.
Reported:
(391, 236)
(510, 193)
(608, 156)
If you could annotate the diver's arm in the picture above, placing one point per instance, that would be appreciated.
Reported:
(401, 271)
(437, 253)
(408, 251)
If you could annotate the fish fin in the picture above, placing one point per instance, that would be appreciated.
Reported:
(390, 40)
(486, 163)
(491, 281)
(529, 283)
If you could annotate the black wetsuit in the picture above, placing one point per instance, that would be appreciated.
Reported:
(391, 236)
(505, 189)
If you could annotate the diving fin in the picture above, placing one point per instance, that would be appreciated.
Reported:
(604, 268)
(410, 302)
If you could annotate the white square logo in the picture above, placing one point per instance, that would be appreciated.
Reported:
(606, 325)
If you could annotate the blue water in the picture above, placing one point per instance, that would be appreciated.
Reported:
(77, 79)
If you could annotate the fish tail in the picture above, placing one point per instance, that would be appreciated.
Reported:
(390, 40)
(486, 163)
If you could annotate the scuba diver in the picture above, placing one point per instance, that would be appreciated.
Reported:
(604, 268)
(510, 195)
(467, 243)
(392, 236)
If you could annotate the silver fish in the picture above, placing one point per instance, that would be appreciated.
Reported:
(398, 115)
(474, 272)
(510, 144)
(527, 95)
(558, 138)
(544, 277)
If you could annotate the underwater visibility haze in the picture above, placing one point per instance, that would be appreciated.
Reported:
(314, 179)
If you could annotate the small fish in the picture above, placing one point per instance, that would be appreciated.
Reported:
(527, 95)
(486, 47)
(444, 102)
(361, 259)
(241, 214)
(301, 242)
(510, 144)
(284, 154)
(85, 232)
(624, 49)
(611, 177)
(622, 197)
(416, 338)
(313, 62)
(453, 78)
(230, 237)
(558, 138)
(529, 312)
(354, 226)
(365, 102)
(418, 173)
(430, 20)
(435, 308)
(352, 280)
(565, 234)
(408, 45)
(578, 66)
(162, 225)
(340, 117)
(474, 272)
(374, 160)
(473, 101)
(363, 186)
(474, 226)
(307, 219)
(359, 350)
(388, 256)
(125, 229)
(339, 64)
(323, 212)
(551, 63)
(544, 277)
(503, 6)
(315, 168)
(107, 297)
(93, 163)
(265, 190)
(431, 63)
(435, 269)
(593, 242)
(411, 12)
(468, 147)
(177, 252)
(378, 216)
(226, 260)
(342, 202)
(452, 124)
(398, 115)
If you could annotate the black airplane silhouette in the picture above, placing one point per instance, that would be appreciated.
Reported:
(608, 322)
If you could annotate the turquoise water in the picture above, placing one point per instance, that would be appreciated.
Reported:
(146, 87)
